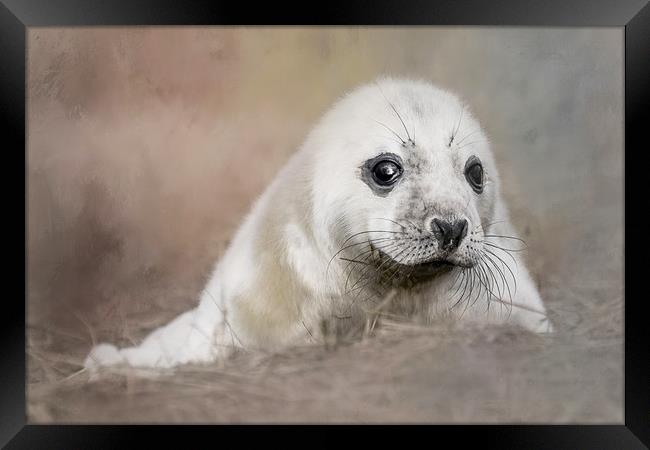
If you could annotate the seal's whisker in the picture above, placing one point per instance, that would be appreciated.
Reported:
(471, 143)
(404, 261)
(395, 111)
(362, 287)
(494, 285)
(394, 262)
(390, 238)
(479, 279)
(505, 237)
(369, 254)
(408, 276)
(415, 226)
(365, 271)
(495, 248)
(357, 257)
(488, 284)
(499, 288)
(525, 245)
(468, 135)
(472, 289)
(500, 272)
(354, 245)
(514, 279)
(371, 231)
(396, 265)
(473, 285)
(459, 274)
(354, 261)
(402, 141)
(372, 248)
(526, 308)
(492, 224)
(466, 275)
(488, 251)
(468, 283)
(484, 281)
(453, 133)
(389, 241)
(481, 285)
(505, 249)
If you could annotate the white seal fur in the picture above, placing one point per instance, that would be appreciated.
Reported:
(329, 240)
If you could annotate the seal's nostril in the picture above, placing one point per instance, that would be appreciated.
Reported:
(449, 234)
(461, 225)
(437, 228)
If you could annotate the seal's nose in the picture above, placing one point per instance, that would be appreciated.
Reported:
(449, 234)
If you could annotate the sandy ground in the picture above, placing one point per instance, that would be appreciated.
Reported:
(136, 143)
(403, 373)
(407, 375)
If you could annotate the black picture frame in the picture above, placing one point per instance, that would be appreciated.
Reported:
(17, 15)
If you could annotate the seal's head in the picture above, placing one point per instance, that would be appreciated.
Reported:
(404, 182)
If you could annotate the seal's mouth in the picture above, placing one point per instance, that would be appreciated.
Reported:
(432, 267)
(434, 264)
(417, 271)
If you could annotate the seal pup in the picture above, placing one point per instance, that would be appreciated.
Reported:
(392, 202)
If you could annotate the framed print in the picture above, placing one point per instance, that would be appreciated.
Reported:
(389, 215)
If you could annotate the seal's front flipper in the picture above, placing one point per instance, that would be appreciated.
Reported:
(103, 355)
(181, 341)
(196, 336)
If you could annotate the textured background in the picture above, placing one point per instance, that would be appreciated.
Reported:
(146, 146)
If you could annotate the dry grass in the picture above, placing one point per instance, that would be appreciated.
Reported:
(443, 373)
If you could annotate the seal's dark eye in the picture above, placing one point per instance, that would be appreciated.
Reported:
(474, 174)
(386, 172)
